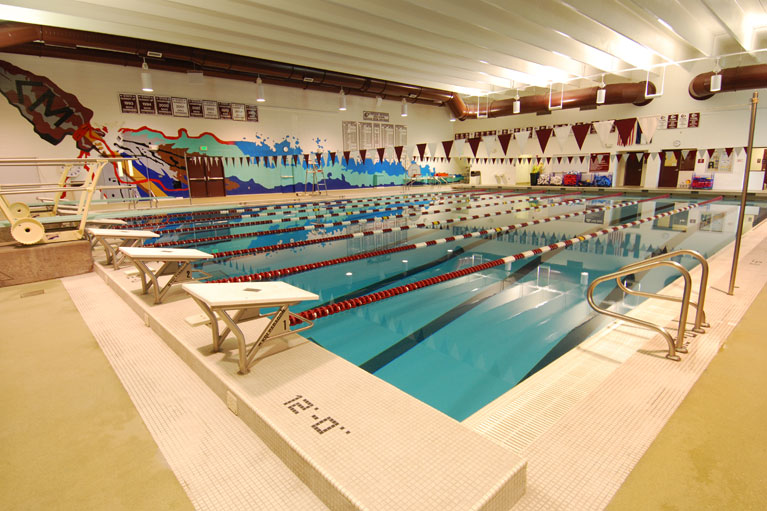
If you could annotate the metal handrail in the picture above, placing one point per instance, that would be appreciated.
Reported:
(700, 314)
(673, 348)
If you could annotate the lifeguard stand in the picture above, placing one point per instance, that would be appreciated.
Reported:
(316, 182)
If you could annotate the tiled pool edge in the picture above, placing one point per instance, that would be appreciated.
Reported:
(501, 496)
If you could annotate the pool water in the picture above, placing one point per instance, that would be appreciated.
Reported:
(460, 344)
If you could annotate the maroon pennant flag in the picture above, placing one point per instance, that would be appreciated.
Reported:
(363, 152)
(447, 145)
(421, 150)
(295, 159)
(492, 160)
(485, 160)
(710, 152)
(559, 159)
(306, 159)
(678, 154)
(284, 159)
(398, 152)
(474, 144)
(646, 156)
(274, 160)
(537, 159)
(548, 160)
(257, 159)
(619, 156)
(625, 129)
(632, 156)
(241, 162)
(332, 157)
(543, 135)
(504, 140)
(346, 157)
(249, 160)
(381, 152)
(569, 159)
(580, 131)
(318, 157)
(728, 150)
(582, 157)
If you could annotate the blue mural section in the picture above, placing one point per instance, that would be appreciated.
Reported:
(251, 166)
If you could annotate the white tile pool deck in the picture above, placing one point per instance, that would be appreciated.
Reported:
(581, 423)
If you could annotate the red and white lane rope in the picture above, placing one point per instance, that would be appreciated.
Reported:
(346, 211)
(226, 237)
(327, 310)
(291, 270)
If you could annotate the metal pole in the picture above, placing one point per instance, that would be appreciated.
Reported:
(742, 214)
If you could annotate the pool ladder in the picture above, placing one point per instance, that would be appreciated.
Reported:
(677, 346)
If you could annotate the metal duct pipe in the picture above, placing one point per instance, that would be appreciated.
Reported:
(111, 49)
(733, 79)
(615, 94)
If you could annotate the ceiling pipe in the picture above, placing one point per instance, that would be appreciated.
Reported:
(615, 94)
(126, 51)
(733, 79)
(14, 34)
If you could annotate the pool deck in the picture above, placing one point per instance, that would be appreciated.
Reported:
(581, 423)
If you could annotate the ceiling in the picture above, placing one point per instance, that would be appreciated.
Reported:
(470, 47)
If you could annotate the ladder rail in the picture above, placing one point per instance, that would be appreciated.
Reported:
(700, 313)
(673, 347)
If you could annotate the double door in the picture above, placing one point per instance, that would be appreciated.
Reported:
(672, 164)
(206, 177)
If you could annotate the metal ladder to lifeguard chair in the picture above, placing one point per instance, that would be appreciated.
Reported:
(313, 171)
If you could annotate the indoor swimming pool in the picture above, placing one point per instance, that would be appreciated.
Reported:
(453, 297)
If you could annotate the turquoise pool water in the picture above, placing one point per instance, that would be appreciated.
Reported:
(459, 344)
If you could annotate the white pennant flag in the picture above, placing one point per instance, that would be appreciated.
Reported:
(603, 130)
(685, 154)
(654, 156)
(458, 147)
(560, 134)
(522, 137)
(648, 125)
(739, 150)
(491, 144)
(432, 147)
(701, 153)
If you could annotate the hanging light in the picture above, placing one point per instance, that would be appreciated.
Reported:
(452, 117)
(342, 101)
(260, 89)
(517, 105)
(379, 101)
(146, 78)
(716, 78)
(601, 93)
(403, 108)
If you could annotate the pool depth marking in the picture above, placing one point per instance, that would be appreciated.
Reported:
(328, 310)
(322, 426)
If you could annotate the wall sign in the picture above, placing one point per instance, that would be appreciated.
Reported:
(128, 104)
(146, 104)
(195, 108)
(251, 113)
(349, 135)
(184, 107)
(375, 116)
(180, 107)
(238, 112)
(164, 105)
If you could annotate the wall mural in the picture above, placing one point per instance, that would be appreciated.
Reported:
(250, 166)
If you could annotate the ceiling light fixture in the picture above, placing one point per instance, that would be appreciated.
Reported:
(379, 101)
(403, 109)
(260, 90)
(716, 78)
(342, 101)
(662, 85)
(601, 93)
(146, 78)
(517, 105)
(561, 97)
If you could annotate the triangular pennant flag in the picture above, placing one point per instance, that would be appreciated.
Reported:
(685, 153)
(678, 154)
(306, 159)
(485, 160)
(582, 157)
(655, 156)
(240, 160)
(332, 157)
(447, 145)
(619, 156)
(625, 129)
(701, 152)
(421, 150)
(646, 157)
(739, 150)
(648, 125)
(363, 152)
(318, 157)
(548, 160)
(603, 129)
(581, 131)
(274, 160)
(559, 159)
(432, 149)
(569, 159)
(258, 160)
(295, 159)
(710, 152)
(537, 159)
(492, 160)
(474, 144)
(560, 134)
(381, 151)
(521, 137)
(631, 157)
(458, 147)
(346, 157)
(284, 159)
(398, 152)
(491, 144)
(504, 141)
(543, 135)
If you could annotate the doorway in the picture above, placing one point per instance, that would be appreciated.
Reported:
(632, 175)
(673, 162)
(206, 177)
